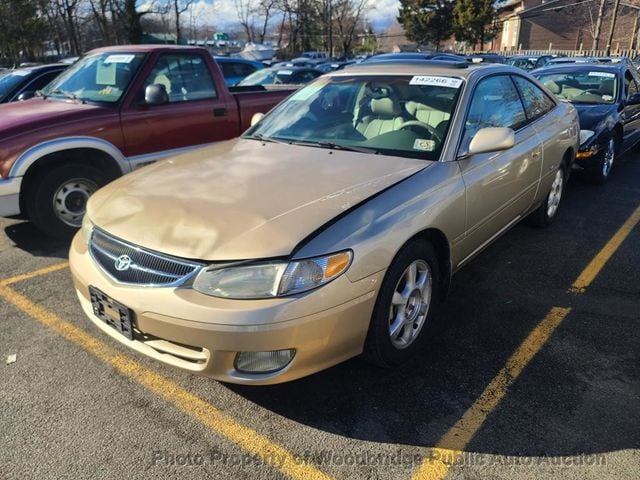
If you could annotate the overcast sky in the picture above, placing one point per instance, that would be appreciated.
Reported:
(222, 13)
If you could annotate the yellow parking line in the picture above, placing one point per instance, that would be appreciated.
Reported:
(450, 447)
(26, 276)
(595, 266)
(220, 423)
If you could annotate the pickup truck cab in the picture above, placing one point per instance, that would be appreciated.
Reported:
(115, 110)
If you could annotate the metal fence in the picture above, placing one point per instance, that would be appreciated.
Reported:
(571, 53)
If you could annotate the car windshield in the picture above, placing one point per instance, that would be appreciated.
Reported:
(524, 63)
(582, 87)
(393, 115)
(101, 77)
(11, 80)
(267, 77)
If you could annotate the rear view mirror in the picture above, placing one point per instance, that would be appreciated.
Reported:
(256, 118)
(156, 95)
(492, 139)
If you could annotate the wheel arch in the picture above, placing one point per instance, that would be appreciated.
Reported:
(81, 150)
(440, 243)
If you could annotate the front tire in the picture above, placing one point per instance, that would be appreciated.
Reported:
(57, 200)
(599, 172)
(404, 306)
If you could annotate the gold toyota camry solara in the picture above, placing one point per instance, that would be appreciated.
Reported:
(328, 229)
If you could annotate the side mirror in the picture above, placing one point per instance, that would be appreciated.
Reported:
(156, 95)
(492, 139)
(256, 118)
(634, 99)
(26, 95)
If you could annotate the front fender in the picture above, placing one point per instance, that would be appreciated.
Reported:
(36, 152)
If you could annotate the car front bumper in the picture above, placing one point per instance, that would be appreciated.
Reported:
(203, 334)
(10, 196)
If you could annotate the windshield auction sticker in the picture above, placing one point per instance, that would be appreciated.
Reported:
(436, 81)
(424, 145)
(119, 58)
(602, 74)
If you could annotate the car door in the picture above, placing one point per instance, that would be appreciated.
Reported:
(500, 186)
(195, 113)
(631, 112)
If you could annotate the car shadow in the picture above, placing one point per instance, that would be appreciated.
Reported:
(28, 238)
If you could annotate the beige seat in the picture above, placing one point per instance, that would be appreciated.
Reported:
(553, 87)
(384, 118)
(162, 79)
(426, 114)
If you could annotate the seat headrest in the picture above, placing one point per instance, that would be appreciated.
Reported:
(552, 86)
(385, 107)
(414, 107)
(607, 87)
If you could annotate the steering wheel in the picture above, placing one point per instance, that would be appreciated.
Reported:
(416, 123)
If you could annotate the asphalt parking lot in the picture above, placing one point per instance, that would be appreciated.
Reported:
(532, 372)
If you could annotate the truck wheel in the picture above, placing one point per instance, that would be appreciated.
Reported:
(404, 306)
(58, 199)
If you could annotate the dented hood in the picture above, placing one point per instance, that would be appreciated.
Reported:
(241, 199)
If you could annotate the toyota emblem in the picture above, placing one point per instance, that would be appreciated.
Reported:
(123, 263)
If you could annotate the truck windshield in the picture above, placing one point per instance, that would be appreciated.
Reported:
(393, 115)
(101, 77)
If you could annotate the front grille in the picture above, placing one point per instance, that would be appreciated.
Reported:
(130, 264)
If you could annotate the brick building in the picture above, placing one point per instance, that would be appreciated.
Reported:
(564, 25)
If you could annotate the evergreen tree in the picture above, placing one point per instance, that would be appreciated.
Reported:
(427, 21)
(472, 20)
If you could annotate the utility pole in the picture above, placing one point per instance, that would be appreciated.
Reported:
(632, 42)
(596, 37)
(614, 18)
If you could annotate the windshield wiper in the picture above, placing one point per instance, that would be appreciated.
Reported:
(262, 138)
(66, 94)
(338, 146)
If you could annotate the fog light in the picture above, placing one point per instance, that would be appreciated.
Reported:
(263, 362)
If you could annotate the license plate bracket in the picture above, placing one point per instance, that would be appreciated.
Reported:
(111, 312)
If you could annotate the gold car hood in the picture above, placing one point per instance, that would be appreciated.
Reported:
(241, 199)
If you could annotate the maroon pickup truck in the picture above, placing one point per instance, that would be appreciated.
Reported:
(113, 111)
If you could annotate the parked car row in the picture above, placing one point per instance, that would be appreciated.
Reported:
(330, 227)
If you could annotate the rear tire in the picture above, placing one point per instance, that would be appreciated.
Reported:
(404, 307)
(57, 200)
(546, 213)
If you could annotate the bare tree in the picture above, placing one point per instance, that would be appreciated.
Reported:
(245, 10)
(347, 17)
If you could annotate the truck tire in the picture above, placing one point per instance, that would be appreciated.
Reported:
(58, 198)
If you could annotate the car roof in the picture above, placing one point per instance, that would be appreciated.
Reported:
(292, 68)
(38, 68)
(425, 67)
(582, 67)
(146, 48)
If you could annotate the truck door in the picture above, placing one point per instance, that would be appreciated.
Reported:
(194, 114)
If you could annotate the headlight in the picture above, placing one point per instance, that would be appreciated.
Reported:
(87, 228)
(585, 135)
(272, 279)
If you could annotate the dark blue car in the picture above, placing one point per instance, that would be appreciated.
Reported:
(23, 83)
(607, 98)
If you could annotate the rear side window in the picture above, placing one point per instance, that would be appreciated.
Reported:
(536, 102)
(43, 80)
(236, 69)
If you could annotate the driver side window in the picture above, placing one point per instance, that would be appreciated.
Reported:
(184, 76)
(495, 103)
